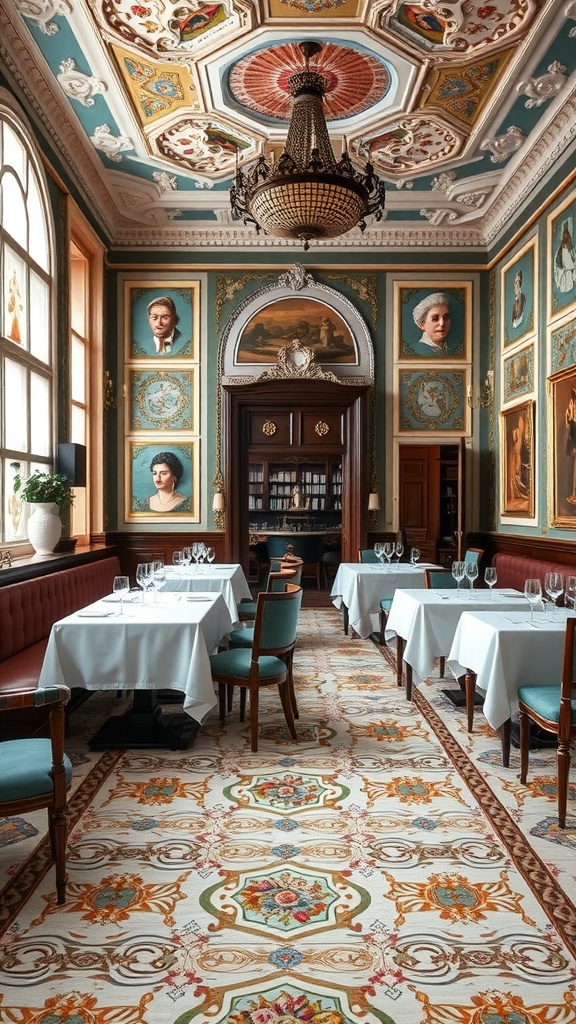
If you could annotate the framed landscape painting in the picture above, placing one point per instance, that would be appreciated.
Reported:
(562, 343)
(518, 377)
(562, 258)
(432, 400)
(432, 320)
(162, 320)
(162, 478)
(517, 461)
(562, 446)
(519, 295)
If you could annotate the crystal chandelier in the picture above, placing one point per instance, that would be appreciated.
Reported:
(307, 194)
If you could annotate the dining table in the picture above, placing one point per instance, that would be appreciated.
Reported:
(359, 587)
(227, 579)
(497, 653)
(423, 623)
(145, 645)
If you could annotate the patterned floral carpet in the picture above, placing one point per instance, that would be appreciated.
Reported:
(384, 869)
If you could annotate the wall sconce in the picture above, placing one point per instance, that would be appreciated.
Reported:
(486, 397)
(219, 509)
(110, 399)
(373, 509)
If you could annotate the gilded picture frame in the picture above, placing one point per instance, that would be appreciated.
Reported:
(519, 295)
(162, 399)
(432, 400)
(141, 455)
(562, 448)
(415, 340)
(561, 242)
(562, 343)
(181, 300)
(517, 426)
(519, 374)
(313, 322)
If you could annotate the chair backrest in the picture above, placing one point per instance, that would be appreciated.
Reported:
(568, 685)
(367, 555)
(278, 580)
(473, 554)
(439, 579)
(276, 622)
(294, 565)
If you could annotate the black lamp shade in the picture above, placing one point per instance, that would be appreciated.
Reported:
(71, 460)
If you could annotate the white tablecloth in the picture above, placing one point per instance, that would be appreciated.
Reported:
(228, 580)
(163, 644)
(360, 586)
(427, 620)
(505, 652)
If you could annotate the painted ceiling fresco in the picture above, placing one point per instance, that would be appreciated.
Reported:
(461, 107)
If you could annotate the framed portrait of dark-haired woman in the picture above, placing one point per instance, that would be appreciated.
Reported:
(162, 480)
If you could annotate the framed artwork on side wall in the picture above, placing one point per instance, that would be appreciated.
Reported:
(162, 320)
(432, 321)
(562, 448)
(562, 258)
(162, 399)
(518, 374)
(517, 461)
(562, 343)
(518, 288)
(432, 400)
(162, 477)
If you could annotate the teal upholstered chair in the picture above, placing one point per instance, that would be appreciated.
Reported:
(473, 554)
(553, 708)
(36, 773)
(268, 662)
(280, 573)
(440, 579)
(308, 547)
(367, 555)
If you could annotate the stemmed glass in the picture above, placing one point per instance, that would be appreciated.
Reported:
(570, 592)
(379, 550)
(388, 550)
(178, 561)
(186, 558)
(144, 577)
(121, 586)
(399, 550)
(533, 594)
(158, 576)
(471, 571)
(414, 555)
(210, 555)
(490, 577)
(458, 572)
(554, 586)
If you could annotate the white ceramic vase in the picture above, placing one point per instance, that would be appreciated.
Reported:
(44, 527)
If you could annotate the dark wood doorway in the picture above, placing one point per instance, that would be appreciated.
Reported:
(310, 418)
(431, 498)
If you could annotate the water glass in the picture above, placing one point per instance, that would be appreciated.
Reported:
(399, 550)
(379, 550)
(414, 555)
(121, 586)
(533, 594)
(458, 572)
(570, 593)
(388, 550)
(210, 555)
(186, 558)
(158, 576)
(554, 586)
(490, 577)
(144, 577)
(178, 561)
(471, 571)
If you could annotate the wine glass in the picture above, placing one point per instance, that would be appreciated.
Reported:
(414, 555)
(533, 594)
(178, 561)
(570, 592)
(379, 550)
(399, 550)
(121, 586)
(158, 576)
(458, 572)
(554, 586)
(210, 555)
(186, 558)
(471, 572)
(144, 577)
(490, 577)
(388, 550)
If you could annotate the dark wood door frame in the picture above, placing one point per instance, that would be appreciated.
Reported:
(239, 401)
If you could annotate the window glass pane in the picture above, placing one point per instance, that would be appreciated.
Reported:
(15, 306)
(78, 425)
(14, 216)
(38, 246)
(77, 296)
(15, 406)
(14, 512)
(14, 153)
(40, 442)
(39, 319)
(78, 371)
(79, 519)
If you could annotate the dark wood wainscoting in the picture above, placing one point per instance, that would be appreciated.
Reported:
(133, 548)
(546, 548)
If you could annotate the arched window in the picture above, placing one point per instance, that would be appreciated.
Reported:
(26, 316)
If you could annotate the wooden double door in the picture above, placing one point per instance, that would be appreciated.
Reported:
(295, 418)
(431, 499)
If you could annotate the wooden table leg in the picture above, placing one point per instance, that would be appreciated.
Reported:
(408, 672)
(470, 685)
(345, 618)
(399, 658)
(504, 733)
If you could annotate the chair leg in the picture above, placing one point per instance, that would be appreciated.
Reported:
(562, 771)
(229, 697)
(253, 717)
(243, 703)
(57, 827)
(383, 621)
(442, 666)
(222, 698)
(524, 745)
(284, 691)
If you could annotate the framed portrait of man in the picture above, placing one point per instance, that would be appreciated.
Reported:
(562, 258)
(519, 295)
(162, 320)
(517, 461)
(163, 480)
(432, 320)
(562, 448)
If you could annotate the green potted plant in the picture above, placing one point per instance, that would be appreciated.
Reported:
(43, 491)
